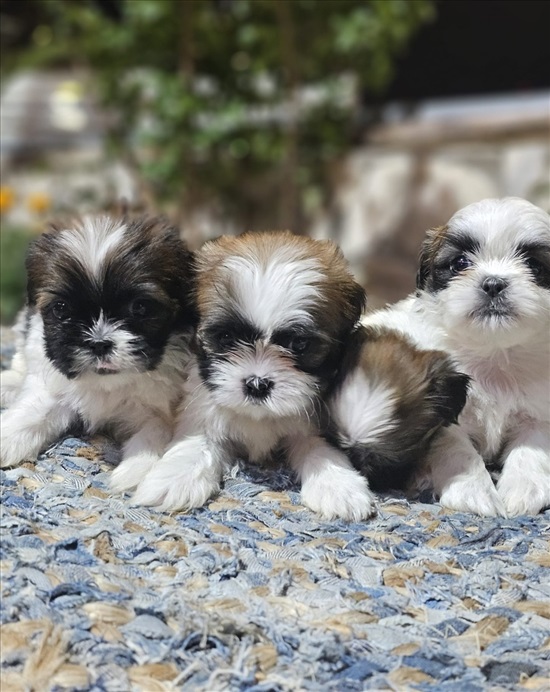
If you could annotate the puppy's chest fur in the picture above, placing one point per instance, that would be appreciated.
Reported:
(508, 387)
(254, 439)
(257, 440)
(125, 405)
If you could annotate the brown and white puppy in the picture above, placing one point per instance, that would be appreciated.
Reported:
(389, 402)
(105, 339)
(484, 298)
(275, 314)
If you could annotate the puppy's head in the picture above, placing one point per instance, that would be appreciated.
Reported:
(110, 292)
(274, 312)
(488, 272)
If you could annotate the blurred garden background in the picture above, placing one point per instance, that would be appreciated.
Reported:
(365, 121)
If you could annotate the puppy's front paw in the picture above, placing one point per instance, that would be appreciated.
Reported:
(525, 495)
(16, 444)
(131, 471)
(185, 477)
(476, 494)
(339, 493)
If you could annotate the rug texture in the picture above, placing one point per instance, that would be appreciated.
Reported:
(254, 592)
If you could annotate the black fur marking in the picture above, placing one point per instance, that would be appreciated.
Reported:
(435, 273)
(311, 351)
(537, 258)
(449, 393)
(462, 242)
(228, 334)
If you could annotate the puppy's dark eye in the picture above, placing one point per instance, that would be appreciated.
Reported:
(535, 266)
(460, 263)
(299, 344)
(61, 310)
(293, 342)
(225, 339)
(143, 307)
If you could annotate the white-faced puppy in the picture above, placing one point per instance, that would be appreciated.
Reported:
(389, 402)
(275, 313)
(484, 297)
(105, 339)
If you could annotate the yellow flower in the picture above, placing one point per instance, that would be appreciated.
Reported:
(39, 202)
(7, 198)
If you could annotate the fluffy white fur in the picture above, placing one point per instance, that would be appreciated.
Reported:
(291, 288)
(507, 415)
(364, 411)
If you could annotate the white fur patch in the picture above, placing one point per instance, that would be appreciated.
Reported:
(121, 357)
(362, 410)
(278, 293)
(501, 224)
(92, 241)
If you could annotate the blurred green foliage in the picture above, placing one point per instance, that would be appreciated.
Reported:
(13, 248)
(204, 95)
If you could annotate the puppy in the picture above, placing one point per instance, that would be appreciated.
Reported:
(275, 313)
(484, 298)
(104, 339)
(389, 402)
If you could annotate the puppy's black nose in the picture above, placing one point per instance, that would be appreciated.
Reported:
(101, 348)
(493, 285)
(258, 387)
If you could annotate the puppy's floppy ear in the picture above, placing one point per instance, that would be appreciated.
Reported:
(423, 266)
(449, 388)
(342, 278)
(358, 300)
(37, 260)
(428, 250)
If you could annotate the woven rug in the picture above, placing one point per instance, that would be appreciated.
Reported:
(255, 593)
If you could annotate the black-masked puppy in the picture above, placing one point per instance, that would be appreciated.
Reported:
(484, 298)
(275, 313)
(105, 339)
(389, 402)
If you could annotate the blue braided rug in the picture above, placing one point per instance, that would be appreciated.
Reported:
(256, 593)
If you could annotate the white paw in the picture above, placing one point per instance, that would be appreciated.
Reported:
(16, 445)
(185, 477)
(131, 471)
(339, 493)
(476, 494)
(523, 495)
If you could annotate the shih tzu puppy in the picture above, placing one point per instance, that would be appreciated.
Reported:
(484, 297)
(390, 401)
(275, 314)
(104, 339)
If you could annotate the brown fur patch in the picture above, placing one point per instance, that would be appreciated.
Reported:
(389, 358)
(342, 298)
(423, 379)
(435, 238)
